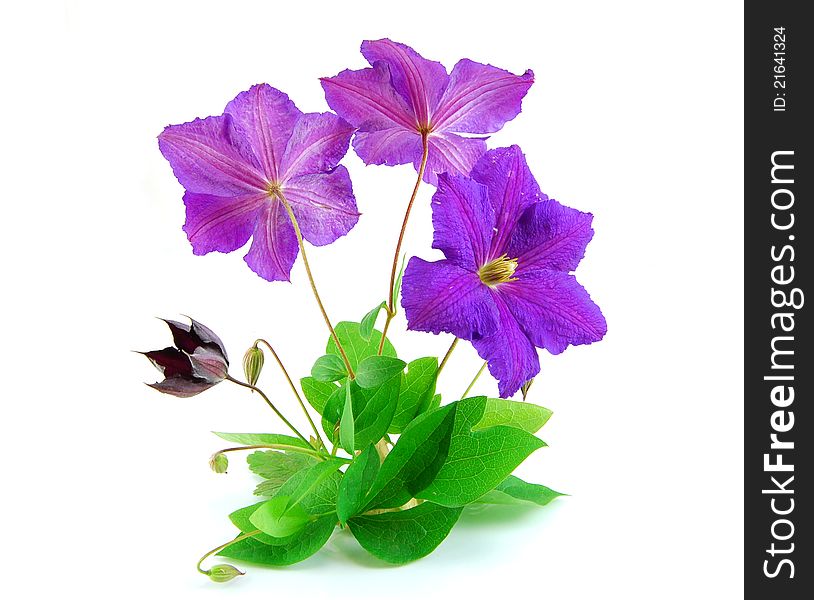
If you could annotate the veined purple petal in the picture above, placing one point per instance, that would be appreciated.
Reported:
(208, 337)
(511, 356)
(266, 117)
(441, 296)
(462, 218)
(553, 309)
(419, 81)
(393, 146)
(171, 362)
(323, 204)
(183, 388)
(218, 223)
(512, 189)
(317, 144)
(480, 98)
(209, 157)
(550, 236)
(182, 336)
(208, 364)
(367, 100)
(450, 153)
(274, 245)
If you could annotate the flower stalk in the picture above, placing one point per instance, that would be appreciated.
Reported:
(271, 405)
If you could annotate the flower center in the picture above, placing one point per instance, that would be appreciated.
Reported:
(499, 270)
(274, 188)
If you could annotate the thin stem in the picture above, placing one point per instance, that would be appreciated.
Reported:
(473, 381)
(293, 389)
(285, 447)
(274, 408)
(446, 357)
(298, 233)
(239, 538)
(391, 309)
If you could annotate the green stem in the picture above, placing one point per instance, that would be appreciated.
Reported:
(284, 447)
(446, 357)
(274, 408)
(473, 381)
(239, 538)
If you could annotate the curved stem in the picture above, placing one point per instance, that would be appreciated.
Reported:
(313, 284)
(446, 357)
(285, 447)
(474, 380)
(274, 408)
(293, 389)
(239, 538)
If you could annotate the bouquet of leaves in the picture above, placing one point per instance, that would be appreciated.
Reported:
(386, 457)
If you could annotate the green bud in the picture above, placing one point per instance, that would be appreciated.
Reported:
(223, 573)
(253, 364)
(218, 462)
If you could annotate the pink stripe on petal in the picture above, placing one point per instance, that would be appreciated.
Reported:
(317, 144)
(453, 154)
(220, 224)
(274, 245)
(394, 146)
(323, 204)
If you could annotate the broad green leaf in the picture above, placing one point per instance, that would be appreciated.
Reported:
(477, 461)
(356, 347)
(276, 468)
(356, 482)
(523, 415)
(296, 548)
(347, 431)
(329, 368)
(417, 389)
(414, 461)
(280, 518)
(434, 403)
(369, 322)
(317, 392)
(315, 487)
(405, 535)
(397, 286)
(514, 490)
(262, 439)
(375, 370)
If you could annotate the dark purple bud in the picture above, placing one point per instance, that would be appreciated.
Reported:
(170, 362)
(209, 365)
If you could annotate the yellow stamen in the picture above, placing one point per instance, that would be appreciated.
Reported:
(497, 271)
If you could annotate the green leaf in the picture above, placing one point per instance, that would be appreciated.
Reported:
(414, 461)
(356, 482)
(276, 468)
(262, 439)
(523, 415)
(397, 287)
(317, 392)
(416, 394)
(280, 518)
(514, 490)
(329, 367)
(477, 461)
(405, 535)
(369, 321)
(356, 347)
(375, 370)
(347, 430)
(296, 548)
(434, 403)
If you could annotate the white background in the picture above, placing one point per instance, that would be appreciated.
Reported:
(636, 115)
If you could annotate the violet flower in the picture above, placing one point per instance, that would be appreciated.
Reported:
(504, 284)
(237, 167)
(196, 363)
(404, 96)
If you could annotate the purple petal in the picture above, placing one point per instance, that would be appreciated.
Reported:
(323, 204)
(183, 388)
(393, 146)
(419, 81)
(317, 144)
(441, 296)
(512, 189)
(450, 153)
(209, 157)
(512, 358)
(274, 244)
(366, 99)
(208, 364)
(266, 117)
(554, 310)
(182, 336)
(208, 337)
(550, 236)
(170, 361)
(463, 219)
(480, 98)
(218, 223)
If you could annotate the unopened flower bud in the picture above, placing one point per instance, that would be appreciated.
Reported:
(525, 388)
(253, 364)
(218, 462)
(223, 573)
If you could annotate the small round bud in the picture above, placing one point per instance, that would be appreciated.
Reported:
(253, 364)
(223, 573)
(218, 462)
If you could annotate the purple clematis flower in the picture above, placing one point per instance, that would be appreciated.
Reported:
(196, 363)
(404, 96)
(236, 168)
(505, 284)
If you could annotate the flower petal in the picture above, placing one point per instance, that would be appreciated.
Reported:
(512, 358)
(550, 236)
(183, 388)
(170, 361)
(480, 98)
(317, 144)
(208, 364)
(554, 310)
(182, 336)
(323, 204)
(450, 153)
(274, 245)
(266, 117)
(462, 218)
(393, 146)
(208, 337)
(218, 223)
(419, 81)
(512, 189)
(441, 296)
(209, 157)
